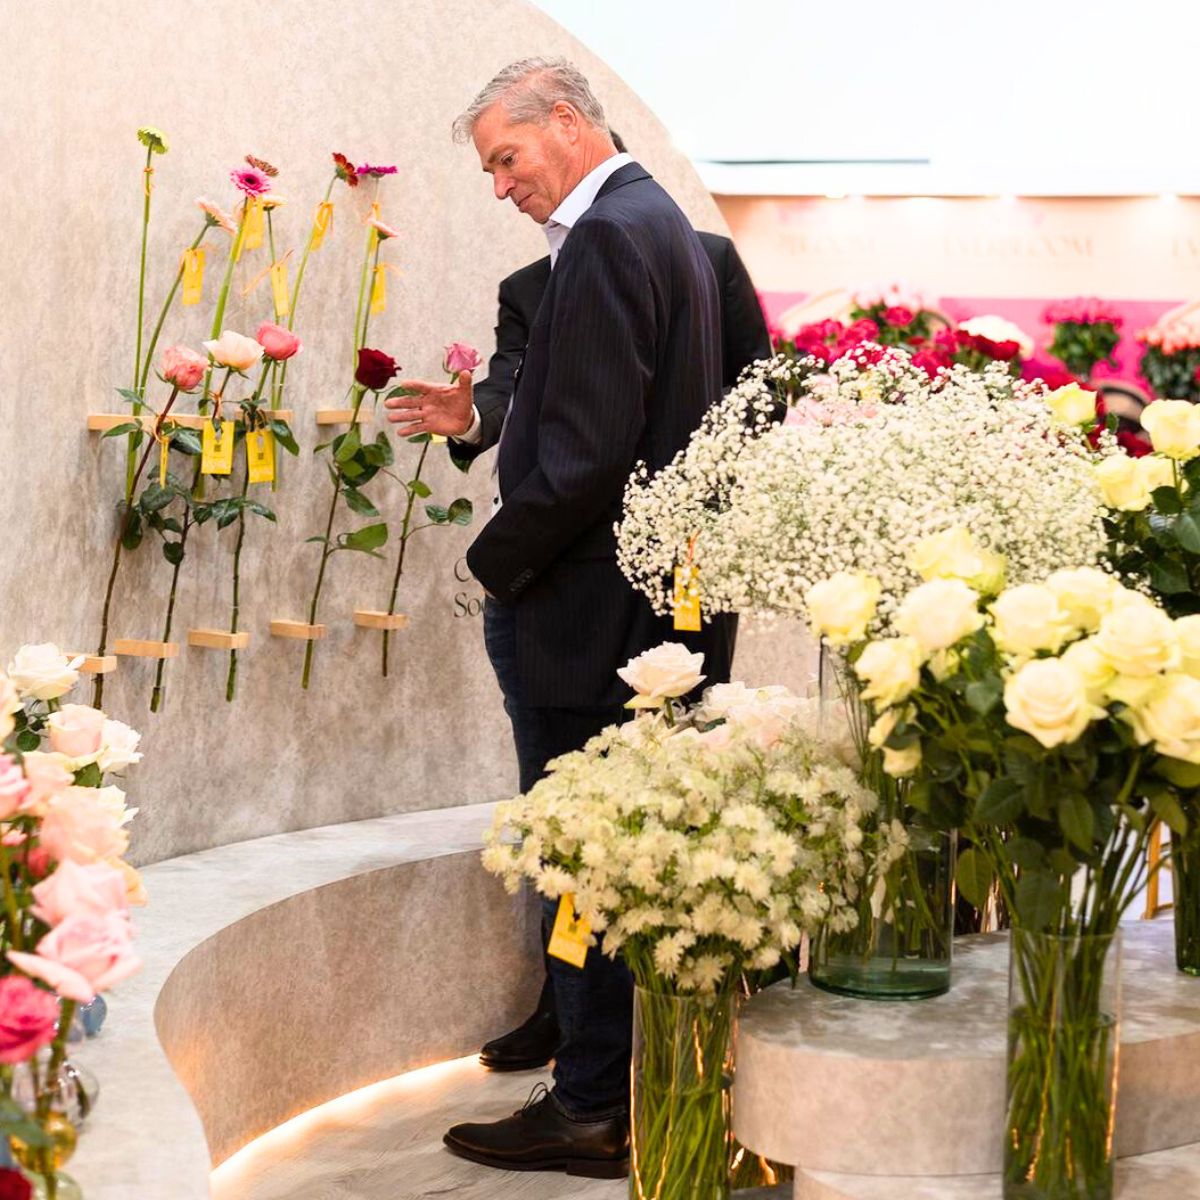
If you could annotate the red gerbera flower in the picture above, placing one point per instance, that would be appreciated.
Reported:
(345, 170)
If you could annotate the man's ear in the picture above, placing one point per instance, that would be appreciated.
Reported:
(566, 117)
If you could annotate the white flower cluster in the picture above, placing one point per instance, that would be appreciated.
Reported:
(699, 849)
(880, 458)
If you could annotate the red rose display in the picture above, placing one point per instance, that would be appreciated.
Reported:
(375, 369)
(898, 315)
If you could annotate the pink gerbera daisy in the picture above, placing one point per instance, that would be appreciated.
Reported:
(375, 171)
(250, 180)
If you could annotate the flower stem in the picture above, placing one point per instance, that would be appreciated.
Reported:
(404, 533)
(156, 696)
(16, 937)
(360, 322)
(231, 682)
(137, 356)
(162, 316)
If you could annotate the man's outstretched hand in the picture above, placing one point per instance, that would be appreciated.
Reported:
(444, 408)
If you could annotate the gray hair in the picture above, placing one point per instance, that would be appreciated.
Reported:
(529, 90)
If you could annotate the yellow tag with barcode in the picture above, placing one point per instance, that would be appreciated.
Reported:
(193, 275)
(255, 225)
(323, 223)
(260, 456)
(216, 448)
(279, 288)
(379, 290)
(686, 601)
(569, 938)
(164, 456)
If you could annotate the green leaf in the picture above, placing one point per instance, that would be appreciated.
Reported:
(358, 503)
(1040, 899)
(1187, 531)
(1166, 500)
(460, 511)
(173, 552)
(130, 395)
(119, 430)
(28, 741)
(370, 537)
(418, 439)
(347, 445)
(437, 514)
(1026, 853)
(1181, 774)
(155, 497)
(984, 694)
(1001, 802)
(974, 877)
(89, 776)
(186, 440)
(283, 435)
(131, 538)
(1167, 807)
(401, 391)
(228, 514)
(318, 538)
(260, 510)
(1169, 578)
(1076, 820)
(419, 487)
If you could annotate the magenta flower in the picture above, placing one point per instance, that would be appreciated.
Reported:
(250, 180)
(375, 172)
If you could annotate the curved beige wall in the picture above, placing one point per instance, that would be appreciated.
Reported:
(289, 82)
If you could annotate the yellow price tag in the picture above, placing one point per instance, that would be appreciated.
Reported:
(255, 225)
(164, 455)
(687, 599)
(260, 456)
(279, 288)
(216, 448)
(323, 223)
(193, 275)
(569, 938)
(379, 290)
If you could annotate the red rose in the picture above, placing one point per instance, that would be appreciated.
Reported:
(898, 315)
(28, 1016)
(1197, 375)
(861, 331)
(375, 369)
(929, 362)
(14, 1186)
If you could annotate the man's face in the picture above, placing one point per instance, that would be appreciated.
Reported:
(531, 165)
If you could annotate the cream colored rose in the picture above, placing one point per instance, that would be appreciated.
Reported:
(1048, 700)
(234, 350)
(118, 747)
(1174, 428)
(1170, 717)
(898, 763)
(1085, 593)
(1139, 639)
(954, 554)
(666, 672)
(944, 663)
(1188, 629)
(1072, 405)
(75, 731)
(1029, 618)
(1122, 486)
(1090, 663)
(43, 672)
(840, 608)
(1153, 471)
(890, 668)
(939, 613)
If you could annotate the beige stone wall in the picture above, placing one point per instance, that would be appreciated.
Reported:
(380, 81)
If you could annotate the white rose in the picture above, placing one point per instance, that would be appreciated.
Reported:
(1188, 629)
(1029, 618)
(1048, 700)
(1090, 663)
(882, 728)
(1151, 472)
(1072, 405)
(954, 554)
(898, 763)
(890, 668)
(43, 672)
(1120, 484)
(666, 672)
(1170, 717)
(997, 329)
(939, 613)
(234, 350)
(1139, 639)
(118, 747)
(1086, 593)
(1174, 428)
(841, 607)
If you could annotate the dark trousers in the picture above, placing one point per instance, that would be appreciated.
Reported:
(594, 1005)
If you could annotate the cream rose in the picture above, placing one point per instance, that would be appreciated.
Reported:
(939, 613)
(840, 608)
(1152, 471)
(1090, 663)
(76, 731)
(1139, 639)
(1048, 700)
(1029, 618)
(1123, 486)
(890, 668)
(1072, 405)
(666, 672)
(1085, 593)
(898, 763)
(43, 672)
(954, 554)
(1174, 428)
(234, 350)
(1188, 629)
(1170, 717)
(118, 747)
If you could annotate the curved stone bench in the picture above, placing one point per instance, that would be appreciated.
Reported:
(284, 972)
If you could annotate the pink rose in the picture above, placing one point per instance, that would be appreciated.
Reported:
(28, 1019)
(14, 787)
(76, 730)
(461, 357)
(898, 315)
(82, 956)
(277, 343)
(183, 368)
(78, 828)
(94, 890)
(47, 778)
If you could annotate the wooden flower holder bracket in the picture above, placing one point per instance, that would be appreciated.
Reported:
(95, 664)
(298, 630)
(136, 648)
(103, 422)
(218, 639)
(371, 618)
(341, 416)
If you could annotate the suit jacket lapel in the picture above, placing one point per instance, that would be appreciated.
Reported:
(626, 174)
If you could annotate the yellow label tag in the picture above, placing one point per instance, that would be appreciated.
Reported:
(379, 290)
(255, 225)
(193, 275)
(323, 223)
(687, 599)
(437, 439)
(279, 288)
(260, 456)
(569, 938)
(216, 448)
(164, 455)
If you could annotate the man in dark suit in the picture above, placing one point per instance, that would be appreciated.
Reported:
(623, 359)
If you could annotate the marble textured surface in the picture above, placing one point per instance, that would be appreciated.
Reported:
(381, 82)
(837, 1084)
(283, 972)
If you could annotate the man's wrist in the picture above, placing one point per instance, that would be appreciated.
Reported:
(473, 434)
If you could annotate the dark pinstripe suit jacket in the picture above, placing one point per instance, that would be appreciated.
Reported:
(623, 359)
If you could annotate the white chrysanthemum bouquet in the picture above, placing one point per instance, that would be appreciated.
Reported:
(702, 843)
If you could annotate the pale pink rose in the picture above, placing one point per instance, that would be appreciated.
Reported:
(234, 350)
(94, 889)
(28, 1018)
(77, 827)
(76, 730)
(461, 357)
(182, 368)
(47, 778)
(14, 787)
(277, 343)
(384, 230)
(82, 956)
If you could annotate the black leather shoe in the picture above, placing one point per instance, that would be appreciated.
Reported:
(541, 1137)
(530, 1045)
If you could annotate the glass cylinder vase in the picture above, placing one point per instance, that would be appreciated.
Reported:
(680, 1110)
(1185, 885)
(1064, 1010)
